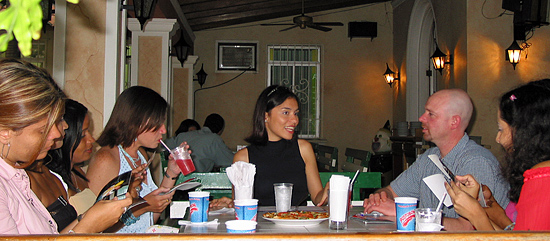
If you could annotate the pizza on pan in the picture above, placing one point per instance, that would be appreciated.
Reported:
(297, 215)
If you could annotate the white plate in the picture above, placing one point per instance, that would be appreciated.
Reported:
(296, 222)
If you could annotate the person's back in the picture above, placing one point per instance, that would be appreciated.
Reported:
(207, 147)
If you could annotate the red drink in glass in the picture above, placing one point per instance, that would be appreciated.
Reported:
(186, 166)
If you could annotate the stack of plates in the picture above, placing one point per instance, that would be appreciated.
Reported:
(402, 128)
(415, 125)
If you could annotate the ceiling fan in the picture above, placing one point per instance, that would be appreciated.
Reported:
(303, 21)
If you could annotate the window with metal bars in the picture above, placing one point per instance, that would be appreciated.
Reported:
(298, 67)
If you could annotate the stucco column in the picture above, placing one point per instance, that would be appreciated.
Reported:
(182, 95)
(151, 62)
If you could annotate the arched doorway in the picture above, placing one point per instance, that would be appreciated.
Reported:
(420, 45)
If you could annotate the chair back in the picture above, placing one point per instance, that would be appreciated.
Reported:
(217, 183)
(362, 156)
(327, 158)
(364, 180)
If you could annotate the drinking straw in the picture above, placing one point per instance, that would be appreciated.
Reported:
(165, 146)
(440, 202)
(350, 188)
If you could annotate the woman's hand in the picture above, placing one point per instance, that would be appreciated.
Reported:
(495, 212)
(221, 203)
(102, 215)
(138, 174)
(468, 207)
(469, 185)
(158, 202)
(172, 168)
(324, 198)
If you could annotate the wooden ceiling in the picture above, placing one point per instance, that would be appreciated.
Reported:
(206, 14)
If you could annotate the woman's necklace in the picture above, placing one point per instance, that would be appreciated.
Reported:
(75, 182)
(132, 160)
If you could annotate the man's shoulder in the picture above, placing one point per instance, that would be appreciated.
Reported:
(474, 150)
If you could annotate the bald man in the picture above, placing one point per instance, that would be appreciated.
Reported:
(444, 122)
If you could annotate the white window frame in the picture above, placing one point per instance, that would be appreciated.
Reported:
(295, 88)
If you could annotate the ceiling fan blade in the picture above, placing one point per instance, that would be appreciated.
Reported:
(276, 24)
(315, 26)
(329, 23)
(295, 26)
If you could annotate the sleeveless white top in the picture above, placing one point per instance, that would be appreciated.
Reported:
(145, 220)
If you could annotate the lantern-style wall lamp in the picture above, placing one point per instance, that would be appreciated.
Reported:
(143, 10)
(513, 53)
(181, 50)
(390, 76)
(201, 76)
(439, 59)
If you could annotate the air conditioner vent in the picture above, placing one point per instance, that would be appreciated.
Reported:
(237, 56)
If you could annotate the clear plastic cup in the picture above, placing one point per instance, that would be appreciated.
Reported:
(183, 159)
(426, 217)
(283, 196)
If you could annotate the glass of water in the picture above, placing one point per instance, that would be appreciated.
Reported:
(283, 196)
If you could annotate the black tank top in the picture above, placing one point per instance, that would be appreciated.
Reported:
(62, 212)
(278, 162)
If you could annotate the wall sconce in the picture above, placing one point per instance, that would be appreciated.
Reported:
(143, 10)
(390, 76)
(201, 76)
(181, 49)
(439, 59)
(513, 53)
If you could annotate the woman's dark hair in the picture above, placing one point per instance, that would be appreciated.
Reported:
(271, 97)
(526, 110)
(60, 162)
(138, 109)
(185, 124)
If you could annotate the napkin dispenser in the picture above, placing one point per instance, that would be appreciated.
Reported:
(241, 174)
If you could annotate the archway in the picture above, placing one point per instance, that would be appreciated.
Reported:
(420, 45)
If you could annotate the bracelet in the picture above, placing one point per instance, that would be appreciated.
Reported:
(128, 218)
(71, 231)
(173, 178)
(510, 226)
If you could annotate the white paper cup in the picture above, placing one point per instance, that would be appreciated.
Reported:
(240, 226)
(404, 211)
(198, 206)
(246, 209)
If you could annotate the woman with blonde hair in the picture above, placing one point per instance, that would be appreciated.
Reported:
(31, 109)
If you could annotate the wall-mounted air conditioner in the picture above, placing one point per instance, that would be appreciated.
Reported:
(234, 55)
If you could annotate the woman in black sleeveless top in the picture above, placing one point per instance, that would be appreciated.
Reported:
(277, 153)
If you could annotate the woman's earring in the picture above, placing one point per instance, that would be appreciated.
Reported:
(135, 139)
(8, 152)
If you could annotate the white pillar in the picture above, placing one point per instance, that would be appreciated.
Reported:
(164, 28)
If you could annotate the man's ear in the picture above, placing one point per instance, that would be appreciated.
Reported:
(455, 122)
(5, 135)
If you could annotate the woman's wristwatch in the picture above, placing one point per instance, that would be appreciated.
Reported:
(173, 178)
